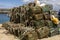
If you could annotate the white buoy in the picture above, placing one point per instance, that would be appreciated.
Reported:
(43, 4)
(37, 2)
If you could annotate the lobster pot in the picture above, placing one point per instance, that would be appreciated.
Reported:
(6, 25)
(39, 23)
(54, 31)
(32, 35)
(43, 32)
(59, 30)
(38, 16)
(28, 33)
(13, 28)
(49, 23)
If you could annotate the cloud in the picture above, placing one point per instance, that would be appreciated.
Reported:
(55, 3)
(27, 1)
(13, 3)
(1, 5)
(45, 1)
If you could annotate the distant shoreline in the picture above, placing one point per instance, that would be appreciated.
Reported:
(3, 13)
(0, 25)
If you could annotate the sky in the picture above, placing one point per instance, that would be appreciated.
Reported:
(12, 3)
(15, 3)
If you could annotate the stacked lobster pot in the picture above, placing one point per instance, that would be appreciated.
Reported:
(29, 22)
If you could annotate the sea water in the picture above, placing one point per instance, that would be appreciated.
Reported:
(4, 18)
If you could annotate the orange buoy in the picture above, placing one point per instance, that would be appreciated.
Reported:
(54, 19)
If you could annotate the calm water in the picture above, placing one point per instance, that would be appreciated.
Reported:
(4, 18)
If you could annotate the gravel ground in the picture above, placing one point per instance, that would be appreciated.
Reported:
(57, 37)
(5, 35)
